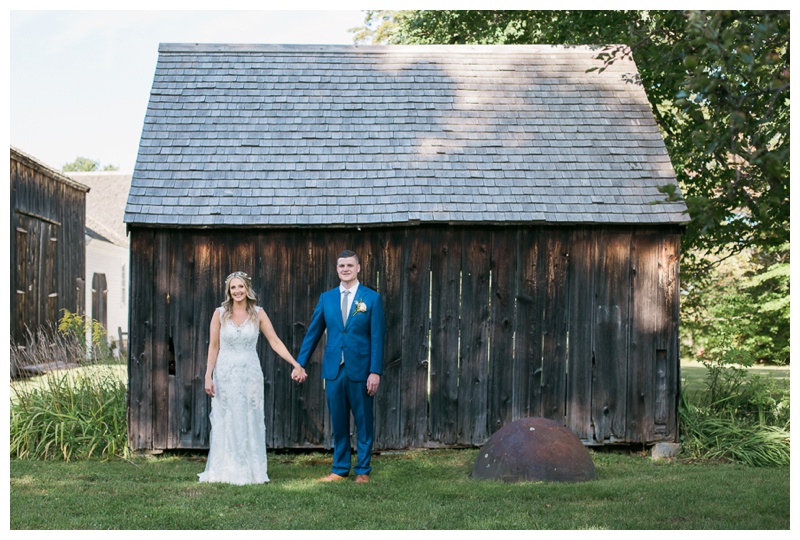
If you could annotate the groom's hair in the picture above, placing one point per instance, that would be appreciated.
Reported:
(346, 254)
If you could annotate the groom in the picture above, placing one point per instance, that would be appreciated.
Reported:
(352, 364)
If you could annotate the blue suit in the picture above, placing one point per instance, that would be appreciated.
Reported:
(360, 344)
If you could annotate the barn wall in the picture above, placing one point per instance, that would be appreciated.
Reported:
(48, 219)
(484, 325)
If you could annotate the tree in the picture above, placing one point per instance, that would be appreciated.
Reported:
(740, 313)
(718, 85)
(82, 164)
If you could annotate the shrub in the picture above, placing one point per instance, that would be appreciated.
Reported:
(741, 304)
(78, 326)
(74, 407)
(714, 436)
(739, 416)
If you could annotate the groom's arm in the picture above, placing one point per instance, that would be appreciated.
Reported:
(315, 330)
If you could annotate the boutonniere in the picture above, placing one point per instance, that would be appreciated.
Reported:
(359, 307)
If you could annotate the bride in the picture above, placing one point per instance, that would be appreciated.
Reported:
(234, 380)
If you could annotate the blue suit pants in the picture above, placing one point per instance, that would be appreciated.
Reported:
(345, 396)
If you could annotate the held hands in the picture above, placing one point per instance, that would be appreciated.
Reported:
(299, 374)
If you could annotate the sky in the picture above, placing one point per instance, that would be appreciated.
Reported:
(80, 80)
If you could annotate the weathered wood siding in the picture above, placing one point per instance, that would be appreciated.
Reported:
(484, 325)
(48, 220)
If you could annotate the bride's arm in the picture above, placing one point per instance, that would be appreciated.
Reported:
(213, 351)
(298, 373)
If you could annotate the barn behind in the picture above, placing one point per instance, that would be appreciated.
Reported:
(505, 201)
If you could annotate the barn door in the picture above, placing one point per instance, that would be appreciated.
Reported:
(36, 290)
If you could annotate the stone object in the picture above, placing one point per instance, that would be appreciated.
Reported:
(665, 450)
(534, 450)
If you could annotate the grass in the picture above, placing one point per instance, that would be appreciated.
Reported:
(69, 414)
(693, 375)
(426, 489)
(411, 490)
(76, 408)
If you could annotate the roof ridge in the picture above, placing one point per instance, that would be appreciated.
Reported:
(375, 49)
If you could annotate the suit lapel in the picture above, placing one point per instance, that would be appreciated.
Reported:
(352, 306)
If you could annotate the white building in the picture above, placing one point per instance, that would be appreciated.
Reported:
(107, 249)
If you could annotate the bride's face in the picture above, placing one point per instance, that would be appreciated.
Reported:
(237, 290)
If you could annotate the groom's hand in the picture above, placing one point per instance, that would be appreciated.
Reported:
(299, 374)
(373, 381)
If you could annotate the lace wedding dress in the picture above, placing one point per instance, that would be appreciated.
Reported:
(237, 452)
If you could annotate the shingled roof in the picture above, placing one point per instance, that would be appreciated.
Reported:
(105, 203)
(301, 135)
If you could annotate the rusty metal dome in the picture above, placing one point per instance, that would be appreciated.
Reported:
(534, 449)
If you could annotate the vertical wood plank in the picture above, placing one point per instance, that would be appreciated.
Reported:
(445, 302)
(311, 410)
(275, 282)
(388, 404)
(611, 326)
(34, 289)
(185, 323)
(554, 325)
(176, 280)
(367, 248)
(501, 329)
(580, 345)
(668, 362)
(20, 294)
(528, 328)
(140, 396)
(473, 373)
(644, 313)
(162, 269)
(207, 297)
(55, 288)
(414, 355)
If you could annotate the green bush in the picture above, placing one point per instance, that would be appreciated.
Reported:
(99, 348)
(740, 308)
(75, 408)
(739, 416)
(720, 437)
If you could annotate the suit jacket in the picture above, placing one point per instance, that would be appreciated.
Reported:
(361, 339)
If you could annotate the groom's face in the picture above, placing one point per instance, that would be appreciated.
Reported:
(348, 269)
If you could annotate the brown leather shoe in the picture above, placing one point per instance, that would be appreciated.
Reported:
(333, 477)
(362, 479)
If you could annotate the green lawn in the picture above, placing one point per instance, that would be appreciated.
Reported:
(693, 375)
(413, 490)
(416, 490)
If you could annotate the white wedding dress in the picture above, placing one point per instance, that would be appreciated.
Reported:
(237, 452)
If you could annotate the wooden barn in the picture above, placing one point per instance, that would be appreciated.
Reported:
(504, 200)
(48, 217)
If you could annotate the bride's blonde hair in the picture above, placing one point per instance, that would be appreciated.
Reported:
(227, 305)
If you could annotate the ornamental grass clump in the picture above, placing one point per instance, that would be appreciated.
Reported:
(65, 405)
(738, 417)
